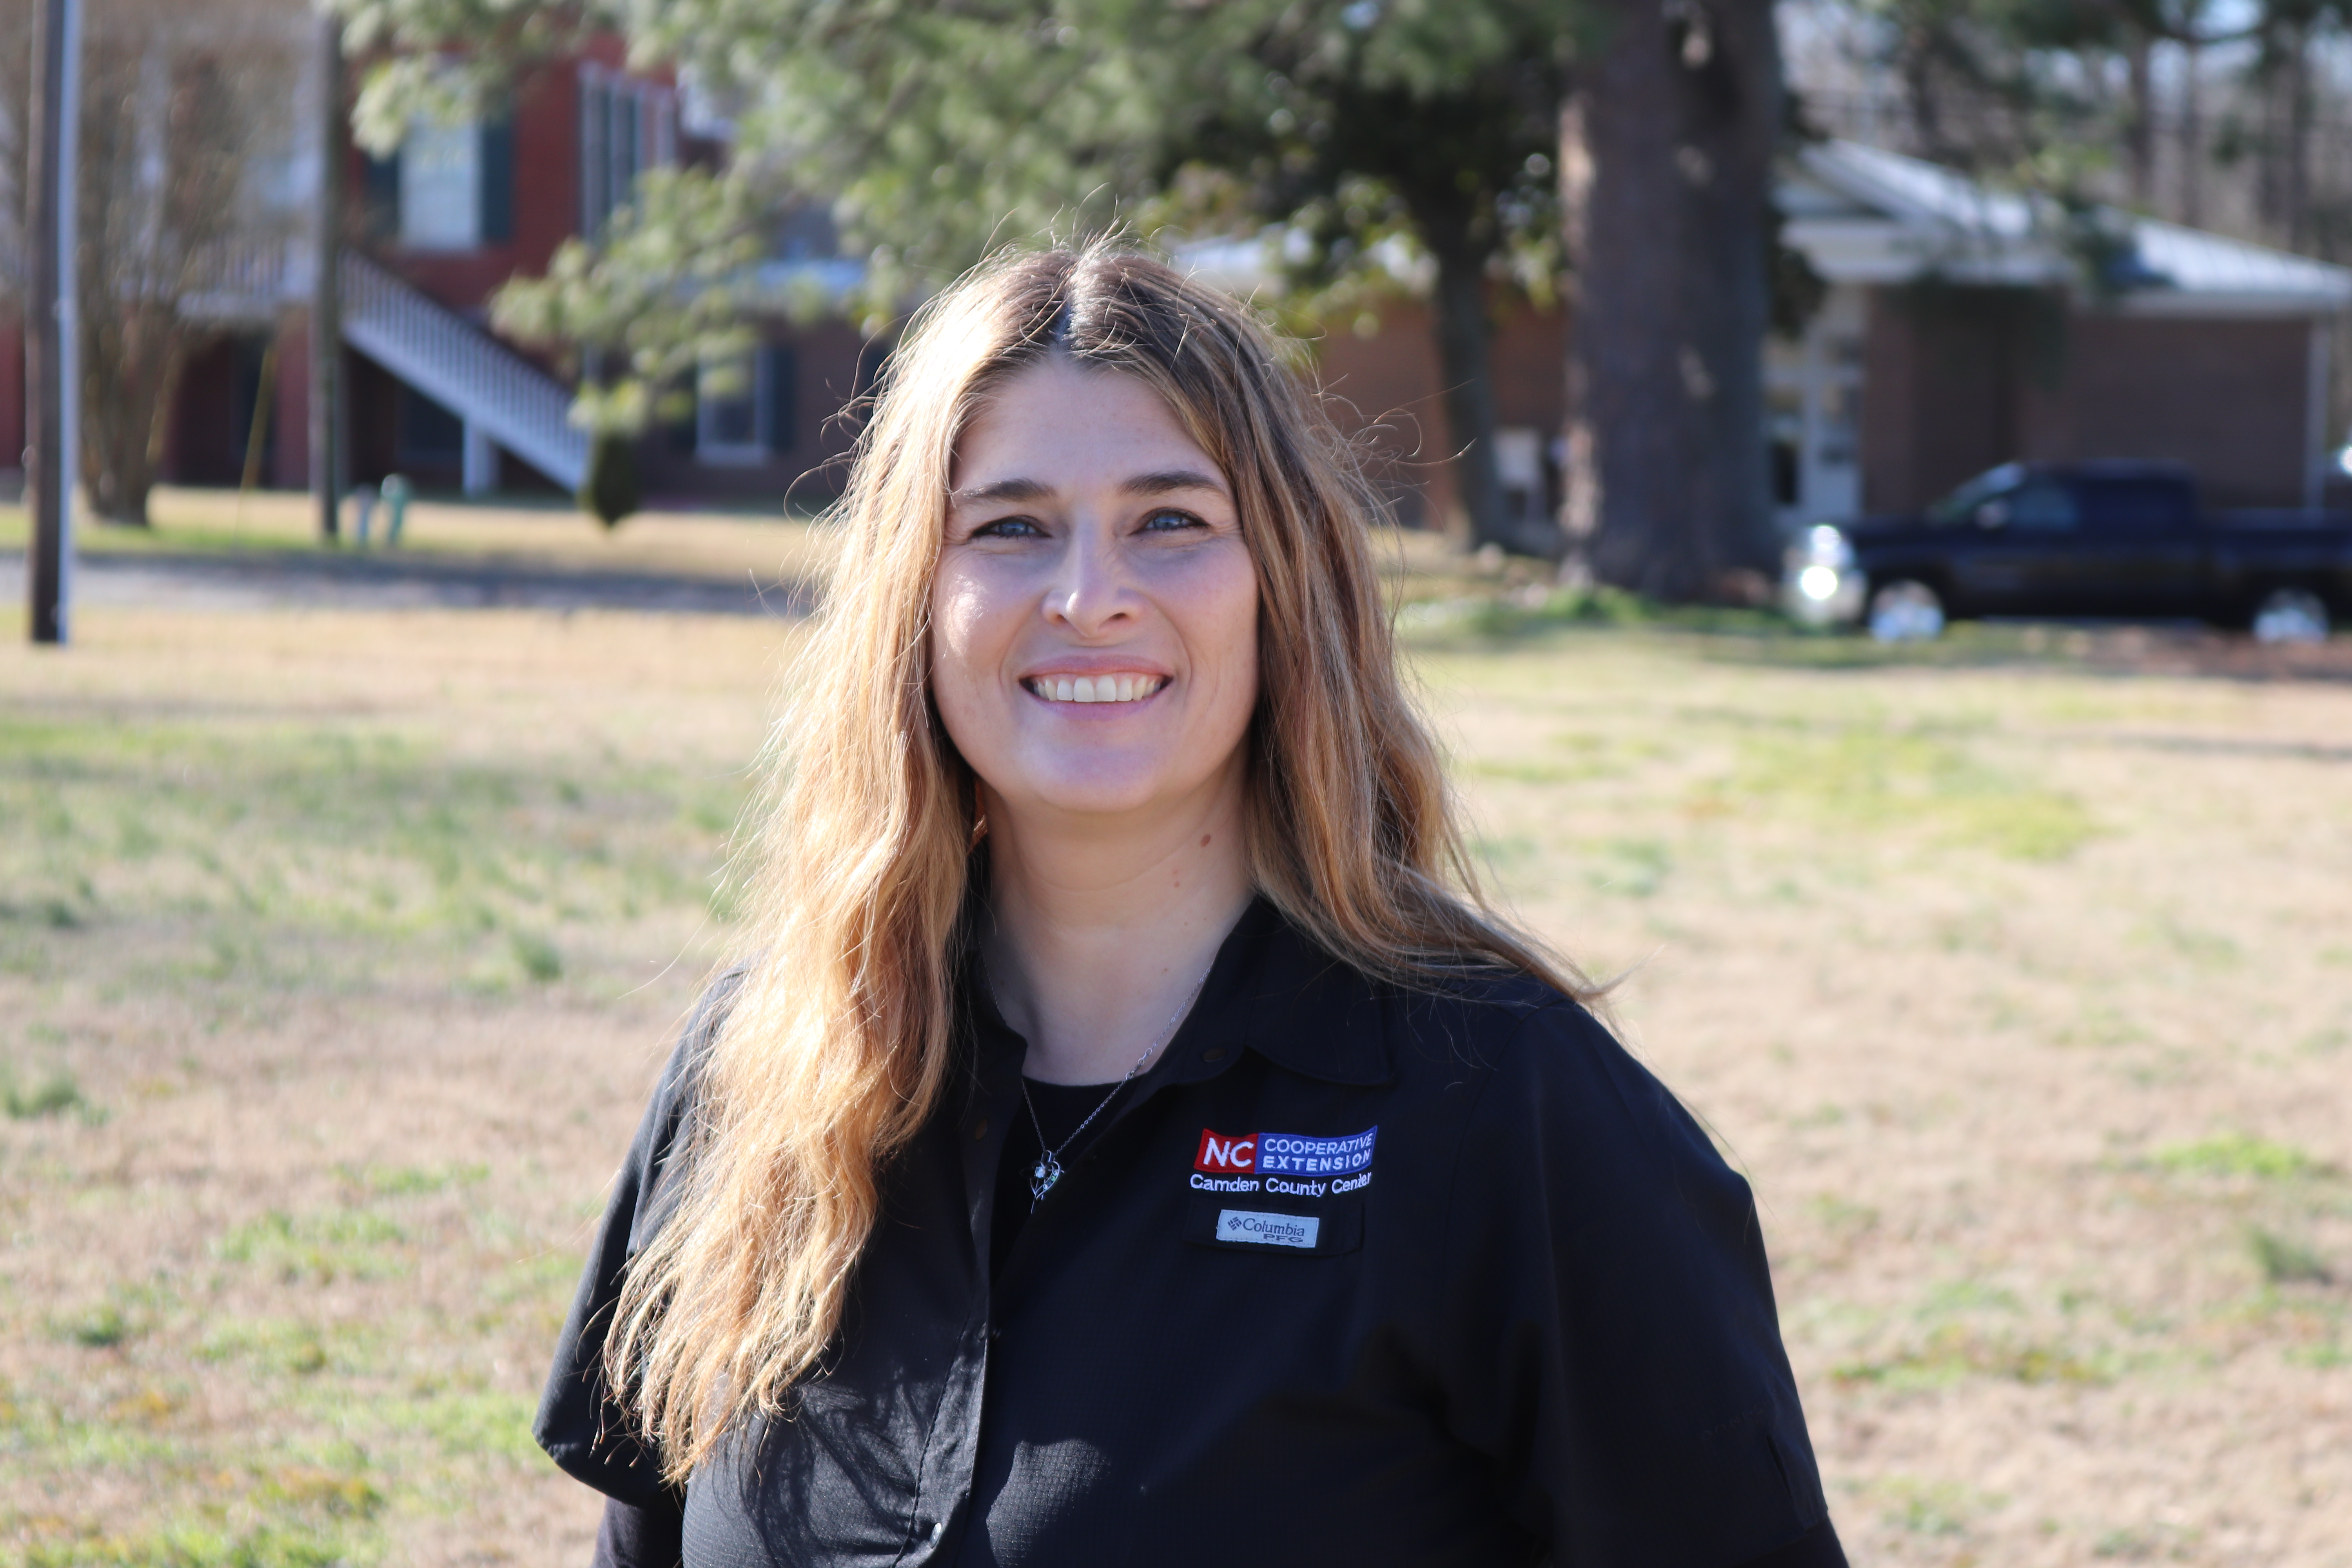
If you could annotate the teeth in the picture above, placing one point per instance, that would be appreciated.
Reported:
(1091, 689)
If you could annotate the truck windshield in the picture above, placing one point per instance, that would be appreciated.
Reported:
(1962, 503)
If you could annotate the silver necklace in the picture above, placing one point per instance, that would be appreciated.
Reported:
(1048, 1169)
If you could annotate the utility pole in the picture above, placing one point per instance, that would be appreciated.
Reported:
(327, 462)
(51, 369)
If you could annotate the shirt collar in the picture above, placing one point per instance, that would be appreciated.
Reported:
(1298, 1006)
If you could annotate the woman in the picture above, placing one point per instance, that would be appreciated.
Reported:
(1132, 1142)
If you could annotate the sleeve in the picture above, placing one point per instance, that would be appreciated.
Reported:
(1607, 1333)
(655, 1538)
(587, 1432)
(1817, 1547)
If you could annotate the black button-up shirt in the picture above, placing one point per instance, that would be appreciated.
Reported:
(1356, 1274)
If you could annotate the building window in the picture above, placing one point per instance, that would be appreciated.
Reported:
(745, 417)
(380, 197)
(626, 126)
(440, 187)
(449, 187)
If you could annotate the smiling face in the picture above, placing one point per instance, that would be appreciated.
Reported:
(1094, 619)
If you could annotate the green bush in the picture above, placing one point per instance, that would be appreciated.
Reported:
(610, 492)
(54, 1096)
(2237, 1154)
(2284, 1261)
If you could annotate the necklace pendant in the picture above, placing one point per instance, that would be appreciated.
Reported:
(1042, 1179)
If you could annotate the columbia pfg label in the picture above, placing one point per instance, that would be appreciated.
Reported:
(1325, 1226)
(1251, 1229)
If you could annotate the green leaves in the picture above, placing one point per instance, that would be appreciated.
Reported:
(663, 289)
(413, 79)
(1375, 131)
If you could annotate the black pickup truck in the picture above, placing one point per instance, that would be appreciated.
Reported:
(2086, 539)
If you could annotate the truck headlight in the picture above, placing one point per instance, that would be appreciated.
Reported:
(1820, 583)
(1828, 546)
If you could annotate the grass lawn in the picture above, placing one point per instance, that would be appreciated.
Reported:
(337, 954)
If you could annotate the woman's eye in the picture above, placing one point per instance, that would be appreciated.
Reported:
(1171, 520)
(1009, 528)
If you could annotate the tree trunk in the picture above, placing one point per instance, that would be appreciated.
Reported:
(2298, 140)
(48, 476)
(130, 354)
(1463, 360)
(1679, 119)
(2139, 141)
(2192, 137)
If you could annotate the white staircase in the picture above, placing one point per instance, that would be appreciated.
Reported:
(503, 398)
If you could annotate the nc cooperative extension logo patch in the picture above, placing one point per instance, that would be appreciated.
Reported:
(1284, 1153)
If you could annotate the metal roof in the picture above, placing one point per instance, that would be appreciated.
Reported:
(1863, 214)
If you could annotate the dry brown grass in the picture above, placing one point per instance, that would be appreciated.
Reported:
(348, 945)
(2025, 998)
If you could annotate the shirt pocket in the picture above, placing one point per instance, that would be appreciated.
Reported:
(1275, 1226)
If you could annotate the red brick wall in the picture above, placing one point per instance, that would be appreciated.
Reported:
(1387, 389)
(1943, 399)
(2226, 398)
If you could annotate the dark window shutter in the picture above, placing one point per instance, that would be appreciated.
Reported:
(380, 191)
(627, 148)
(782, 370)
(497, 184)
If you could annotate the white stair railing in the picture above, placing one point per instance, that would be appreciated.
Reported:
(498, 392)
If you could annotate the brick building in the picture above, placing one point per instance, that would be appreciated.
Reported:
(1964, 327)
(432, 231)
(1956, 332)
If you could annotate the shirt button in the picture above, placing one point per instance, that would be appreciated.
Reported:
(1213, 1054)
(980, 1130)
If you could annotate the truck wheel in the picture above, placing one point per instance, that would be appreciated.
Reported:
(2291, 615)
(1907, 611)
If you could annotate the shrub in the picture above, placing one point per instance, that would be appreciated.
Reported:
(610, 492)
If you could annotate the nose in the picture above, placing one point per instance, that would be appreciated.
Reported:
(1089, 593)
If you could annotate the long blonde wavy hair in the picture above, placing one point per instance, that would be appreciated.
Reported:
(837, 1046)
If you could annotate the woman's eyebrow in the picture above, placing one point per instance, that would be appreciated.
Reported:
(1001, 491)
(1162, 480)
